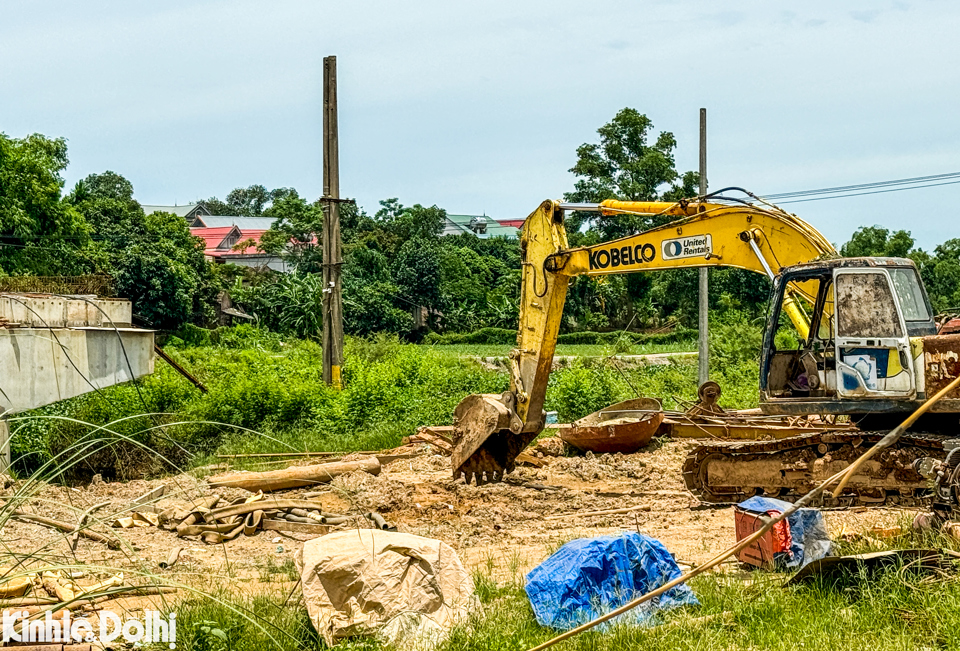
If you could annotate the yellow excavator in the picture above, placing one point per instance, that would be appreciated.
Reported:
(868, 348)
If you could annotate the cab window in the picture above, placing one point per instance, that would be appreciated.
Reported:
(866, 306)
(910, 294)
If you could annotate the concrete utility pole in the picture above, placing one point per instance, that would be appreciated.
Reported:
(703, 359)
(332, 254)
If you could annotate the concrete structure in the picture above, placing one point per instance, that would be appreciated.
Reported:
(53, 348)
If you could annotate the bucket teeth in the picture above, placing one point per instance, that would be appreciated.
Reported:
(480, 468)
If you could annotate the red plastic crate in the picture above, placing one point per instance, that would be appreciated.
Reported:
(760, 552)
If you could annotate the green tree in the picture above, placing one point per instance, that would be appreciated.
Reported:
(413, 222)
(417, 272)
(39, 232)
(154, 260)
(296, 235)
(371, 299)
(625, 165)
(878, 241)
(941, 274)
(252, 201)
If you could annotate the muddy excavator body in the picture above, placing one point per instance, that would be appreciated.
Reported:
(863, 338)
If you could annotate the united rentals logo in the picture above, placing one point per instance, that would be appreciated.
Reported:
(622, 256)
(687, 247)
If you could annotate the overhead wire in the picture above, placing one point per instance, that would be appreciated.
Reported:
(865, 186)
(860, 194)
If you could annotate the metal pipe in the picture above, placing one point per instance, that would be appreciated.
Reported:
(763, 261)
(586, 207)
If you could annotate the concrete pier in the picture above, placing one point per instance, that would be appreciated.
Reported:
(53, 348)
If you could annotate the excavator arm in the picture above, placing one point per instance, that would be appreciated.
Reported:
(493, 429)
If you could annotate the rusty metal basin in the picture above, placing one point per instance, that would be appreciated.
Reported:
(624, 427)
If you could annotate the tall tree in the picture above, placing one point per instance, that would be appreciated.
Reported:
(252, 201)
(296, 232)
(625, 165)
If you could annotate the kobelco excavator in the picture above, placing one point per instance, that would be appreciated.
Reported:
(868, 348)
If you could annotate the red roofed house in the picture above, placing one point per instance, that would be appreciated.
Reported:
(220, 243)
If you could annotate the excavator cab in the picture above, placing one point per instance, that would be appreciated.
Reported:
(856, 355)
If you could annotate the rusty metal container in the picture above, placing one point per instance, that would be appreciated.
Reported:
(624, 427)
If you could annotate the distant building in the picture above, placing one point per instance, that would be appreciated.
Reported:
(221, 240)
(190, 211)
(482, 226)
(245, 223)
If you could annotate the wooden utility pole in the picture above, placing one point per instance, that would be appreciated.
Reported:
(332, 253)
(703, 358)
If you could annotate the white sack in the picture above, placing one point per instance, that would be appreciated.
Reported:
(409, 589)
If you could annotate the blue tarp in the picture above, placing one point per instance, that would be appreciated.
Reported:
(808, 532)
(592, 576)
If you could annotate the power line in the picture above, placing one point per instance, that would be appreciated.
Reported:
(858, 194)
(869, 188)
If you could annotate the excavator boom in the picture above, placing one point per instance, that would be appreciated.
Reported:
(493, 429)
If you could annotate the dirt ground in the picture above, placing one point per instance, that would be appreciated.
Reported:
(504, 528)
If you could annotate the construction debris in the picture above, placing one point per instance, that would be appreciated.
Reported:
(248, 516)
(146, 502)
(172, 558)
(378, 520)
(295, 476)
(791, 543)
(112, 543)
(16, 586)
(137, 519)
(832, 568)
(623, 427)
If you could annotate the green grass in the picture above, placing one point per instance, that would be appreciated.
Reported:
(579, 350)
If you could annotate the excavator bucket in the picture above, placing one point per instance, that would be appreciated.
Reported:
(485, 448)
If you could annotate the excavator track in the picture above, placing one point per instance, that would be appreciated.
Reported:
(725, 472)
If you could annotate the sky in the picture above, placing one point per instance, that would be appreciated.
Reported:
(479, 107)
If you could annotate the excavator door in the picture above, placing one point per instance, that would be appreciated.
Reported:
(872, 343)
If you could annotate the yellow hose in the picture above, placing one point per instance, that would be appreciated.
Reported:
(843, 476)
